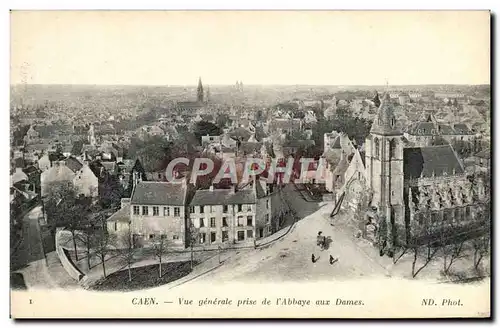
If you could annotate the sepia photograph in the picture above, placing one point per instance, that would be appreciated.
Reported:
(250, 164)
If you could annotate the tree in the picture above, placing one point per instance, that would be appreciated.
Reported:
(452, 245)
(103, 242)
(76, 219)
(128, 252)
(111, 192)
(86, 238)
(423, 245)
(60, 198)
(203, 128)
(223, 120)
(159, 249)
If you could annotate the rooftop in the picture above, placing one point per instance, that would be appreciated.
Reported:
(159, 193)
(431, 161)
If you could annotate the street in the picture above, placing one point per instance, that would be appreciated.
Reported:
(29, 258)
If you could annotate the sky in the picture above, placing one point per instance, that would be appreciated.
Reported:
(267, 47)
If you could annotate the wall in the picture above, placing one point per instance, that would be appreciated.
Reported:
(67, 264)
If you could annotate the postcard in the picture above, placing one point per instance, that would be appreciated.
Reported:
(250, 164)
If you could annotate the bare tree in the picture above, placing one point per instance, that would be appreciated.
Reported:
(160, 249)
(86, 238)
(423, 245)
(103, 242)
(193, 236)
(127, 252)
(481, 247)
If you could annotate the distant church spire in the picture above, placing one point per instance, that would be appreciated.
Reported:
(200, 91)
(208, 94)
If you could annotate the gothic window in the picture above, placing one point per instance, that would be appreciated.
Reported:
(392, 148)
(377, 148)
(393, 122)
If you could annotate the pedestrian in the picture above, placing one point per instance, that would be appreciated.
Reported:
(313, 258)
(331, 259)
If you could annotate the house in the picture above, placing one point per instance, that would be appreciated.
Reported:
(71, 170)
(119, 223)
(158, 209)
(229, 216)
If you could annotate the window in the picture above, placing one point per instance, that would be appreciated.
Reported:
(144, 210)
(224, 222)
(393, 122)
(392, 148)
(249, 221)
(249, 208)
(202, 209)
(240, 221)
(191, 209)
(213, 237)
(224, 208)
(225, 236)
(392, 193)
(202, 223)
(177, 211)
(116, 225)
(203, 237)
(241, 235)
(267, 204)
(151, 236)
(240, 207)
(211, 209)
(159, 175)
(249, 233)
(166, 211)
(267, 218)
(212, 222)
(377, 148)
(156, 211)
(136, 210)
(163, 236)
(175, 237)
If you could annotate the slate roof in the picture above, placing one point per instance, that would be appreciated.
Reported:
(122, 215)
(462, 129)
(223, 197)
(73, 164)
(159, 193)
(445, 129)
(424, 161)
(422, 129)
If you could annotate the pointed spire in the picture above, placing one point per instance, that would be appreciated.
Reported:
(200, 91)
(385, 122)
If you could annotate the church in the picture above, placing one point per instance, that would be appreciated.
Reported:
(409, 187)
(193, 106)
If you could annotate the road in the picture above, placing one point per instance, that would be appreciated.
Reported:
(29, 258)
(289, 259)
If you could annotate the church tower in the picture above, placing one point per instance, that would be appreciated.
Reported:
(200, 91)
(384, 166)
